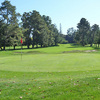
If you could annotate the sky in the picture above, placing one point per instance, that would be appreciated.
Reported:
(66, 12)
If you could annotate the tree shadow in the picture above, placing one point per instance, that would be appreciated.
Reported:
(75, 45)
(25, 48)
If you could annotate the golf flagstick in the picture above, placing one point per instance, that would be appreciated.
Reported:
(21, 47)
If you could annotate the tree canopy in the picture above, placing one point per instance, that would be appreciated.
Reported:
(35, 29)
(85, 34)
(38, 30)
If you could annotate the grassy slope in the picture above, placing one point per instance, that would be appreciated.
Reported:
(48, 73)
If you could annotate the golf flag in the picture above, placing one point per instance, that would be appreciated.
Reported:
(21, 41)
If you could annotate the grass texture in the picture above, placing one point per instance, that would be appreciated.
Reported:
(64, 72)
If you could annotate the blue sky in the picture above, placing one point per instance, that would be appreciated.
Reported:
(66, 12)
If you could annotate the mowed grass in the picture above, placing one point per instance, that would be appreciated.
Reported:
(64, 72)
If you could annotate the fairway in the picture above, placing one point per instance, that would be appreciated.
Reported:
(64, 72)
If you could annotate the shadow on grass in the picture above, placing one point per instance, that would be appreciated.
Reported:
(96, 48)
(25, 48)
(75, 45)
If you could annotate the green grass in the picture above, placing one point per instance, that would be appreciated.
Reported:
(64, 72)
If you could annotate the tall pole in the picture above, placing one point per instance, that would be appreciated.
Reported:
(21, 47)
(21, 51)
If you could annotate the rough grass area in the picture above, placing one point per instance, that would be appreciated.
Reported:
(73, 85)
(53, 73)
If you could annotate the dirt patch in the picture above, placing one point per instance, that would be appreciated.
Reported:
(34, 52)
(90, 51)
(19, 52)
(29, 52)
(73, 51)
(79, 51)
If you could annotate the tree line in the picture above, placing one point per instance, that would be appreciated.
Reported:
(85, 34)
(35, 29)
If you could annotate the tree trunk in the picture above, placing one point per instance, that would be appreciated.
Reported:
(91, 45)
(33, 46)
(83, 44)
(4, 44)
(28, 46)
(1, 48)
(55, 44)
(41, 45)
(37, 46)
(4, 48)
(98, 45)
(14, 47)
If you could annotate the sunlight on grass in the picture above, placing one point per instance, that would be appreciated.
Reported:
(51, 73)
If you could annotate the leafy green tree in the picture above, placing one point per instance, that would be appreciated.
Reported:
(77, 37)
(56, 34)
(6, 11)
(27, 27)
(43, 41)
(1, 33)
(94, 34)
(51, 38)
(71, 35)
(98, 38)
(3, 36)
(15, 36)
(9, 16)
(83, 31)
(40, 29)
(47, 20)
(36, 23)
